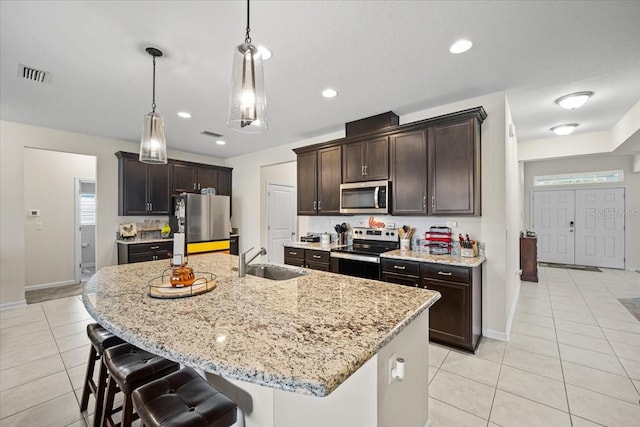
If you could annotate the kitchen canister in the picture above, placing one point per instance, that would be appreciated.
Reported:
(325, 238)
(405, 244)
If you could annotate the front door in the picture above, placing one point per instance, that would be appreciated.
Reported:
(553, 222)
(281, 220)
(600, 230)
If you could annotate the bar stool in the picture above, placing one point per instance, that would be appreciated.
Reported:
(129, 368)
(101, 339)
(183, 399)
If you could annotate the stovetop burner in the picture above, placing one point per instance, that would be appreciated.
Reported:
(372, 242)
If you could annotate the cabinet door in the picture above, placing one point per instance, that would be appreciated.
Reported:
(234, 245)
(207, 177)
(133, 187)
(224, 183)
(353, 162)
(158, 189)
(329, 180)
(409, 173)
(307, 183)
(449, 318)
(377, 160)
(184, 179)
(454, 169)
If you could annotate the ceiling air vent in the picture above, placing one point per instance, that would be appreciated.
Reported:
(30, 73)
(211, 134)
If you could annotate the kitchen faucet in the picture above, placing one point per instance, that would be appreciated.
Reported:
(242, 263)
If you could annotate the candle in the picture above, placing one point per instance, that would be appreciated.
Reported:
(178, 248)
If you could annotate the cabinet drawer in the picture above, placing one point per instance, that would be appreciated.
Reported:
(298, 262)
(318, 266)
(452, 273)
(401, 279)
(150, 247)
(399, 266)
(293, 252)
(317, 256)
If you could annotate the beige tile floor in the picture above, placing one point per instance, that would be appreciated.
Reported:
(573, 360)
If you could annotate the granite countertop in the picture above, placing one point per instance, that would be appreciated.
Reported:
(304, 335)
(436, 259)
(137, 241)
(316, 246)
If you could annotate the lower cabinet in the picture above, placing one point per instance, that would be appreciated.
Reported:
(456, 318)
(309, 258)
(141, 252)
(400, 271)
(234, 245)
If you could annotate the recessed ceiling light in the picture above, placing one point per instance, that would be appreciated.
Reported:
(329, 93)
(460, 46)
(563, 130)
(264, 52)
(184, 115)
(220, 142)
(574, 100)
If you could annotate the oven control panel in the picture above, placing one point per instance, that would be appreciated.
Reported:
(380, 234)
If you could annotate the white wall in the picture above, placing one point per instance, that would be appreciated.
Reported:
(592, 164)
(49, 185)
(15, 137)
(490, 228)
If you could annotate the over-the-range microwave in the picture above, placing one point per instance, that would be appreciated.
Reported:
(364, 197)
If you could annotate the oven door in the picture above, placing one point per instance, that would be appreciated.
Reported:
(367, 267)
(364, 197)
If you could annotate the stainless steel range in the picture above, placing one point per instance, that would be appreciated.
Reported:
(362, 259)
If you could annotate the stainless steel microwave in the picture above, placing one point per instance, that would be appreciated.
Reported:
(364, 197)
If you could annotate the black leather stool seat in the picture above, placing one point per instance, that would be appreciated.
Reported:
(132, 367)
(183, 399)
(101, 339)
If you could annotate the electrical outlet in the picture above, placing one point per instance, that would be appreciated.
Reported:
(392, 361)
(39, 226)
(391, 225)
(452, 224)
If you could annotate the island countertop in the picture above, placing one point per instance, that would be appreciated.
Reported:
(305, 335)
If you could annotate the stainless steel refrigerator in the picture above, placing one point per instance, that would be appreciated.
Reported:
(203, 217)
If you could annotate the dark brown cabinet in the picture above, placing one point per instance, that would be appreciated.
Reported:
(455, 319)
(366, 160)
(401, 272)
(294, 256)
(319, 179)
(529, 259)
(140, 252)
(309, 258)
(454, 168)
(192, 177)
(143, 189)
(408, 155)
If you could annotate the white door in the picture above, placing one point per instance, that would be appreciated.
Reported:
(281, 220)
(553, 222)
(600, 227)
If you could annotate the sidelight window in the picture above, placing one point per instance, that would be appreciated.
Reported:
(601, 177)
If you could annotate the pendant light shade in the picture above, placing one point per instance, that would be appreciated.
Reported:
(153, 145)
(247, 101)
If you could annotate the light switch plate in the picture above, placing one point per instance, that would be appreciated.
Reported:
(452, 224)
(39, 226)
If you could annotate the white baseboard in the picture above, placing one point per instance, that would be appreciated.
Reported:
(512, 311)
(636, 269)
(50, 285)
(495, 335)
(14, 304)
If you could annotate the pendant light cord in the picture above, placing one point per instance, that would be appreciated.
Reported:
(247, 38)
(153, 102)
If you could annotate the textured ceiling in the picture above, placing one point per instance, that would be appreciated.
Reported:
(379, 55)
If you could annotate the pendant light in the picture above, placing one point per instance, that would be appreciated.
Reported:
(153, 145)
(247, 102)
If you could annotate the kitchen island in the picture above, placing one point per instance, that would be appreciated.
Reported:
(313, 350)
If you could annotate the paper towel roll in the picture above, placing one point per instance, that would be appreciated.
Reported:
(178, 248)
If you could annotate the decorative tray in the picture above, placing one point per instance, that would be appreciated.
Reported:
(161, 287)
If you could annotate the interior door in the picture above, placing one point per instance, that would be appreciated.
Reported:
(553, 222)
(600, 227)
(281, 220)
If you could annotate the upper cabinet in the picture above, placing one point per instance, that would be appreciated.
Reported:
(409, 173)
(319, 179)
(366, 160)
(454, 168)
(193, 177)
(143, 189)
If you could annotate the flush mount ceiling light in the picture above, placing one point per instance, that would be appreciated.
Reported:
(329, 93)
(220, 142)
(574, 100)
(563, 130)
(153, 145)
(184, 115)
(460, 46)
(247, 101)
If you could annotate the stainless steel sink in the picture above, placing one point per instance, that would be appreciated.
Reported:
(273, 272)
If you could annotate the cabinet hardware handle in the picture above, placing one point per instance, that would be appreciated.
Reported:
(154, 247)
(315, 205)
(366, 172)
(319, 204)
(293, 253)
(150, 206)
(317, 256)
(362, 170)
(433, 203)
(399, 267)
(442, 273)
(194, 185)
(198, 186)
(424, 203)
